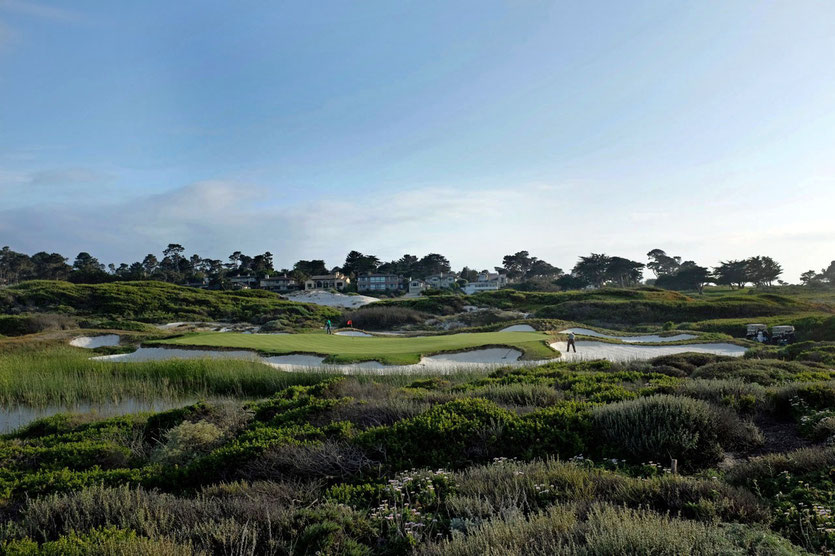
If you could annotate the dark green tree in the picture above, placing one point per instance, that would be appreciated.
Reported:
(662, 264)
(592, 269)
(732, 273)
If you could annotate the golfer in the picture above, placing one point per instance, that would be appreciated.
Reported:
(328, 327)
(571, 343)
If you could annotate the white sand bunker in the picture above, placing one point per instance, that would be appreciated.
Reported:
(620, 352)
(487, 358)
(92, 342)
(330, 299)
(519, 328)
(630, 339)
(356, 333)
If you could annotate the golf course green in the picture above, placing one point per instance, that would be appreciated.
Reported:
(388, 350)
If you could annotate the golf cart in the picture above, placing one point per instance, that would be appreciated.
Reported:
(757, 332)
(782, 335)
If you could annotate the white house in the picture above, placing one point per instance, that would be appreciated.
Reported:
(441, 281)
(243, 282)
(486, 281)
(336, 281)
(281, 283)
(416, 286)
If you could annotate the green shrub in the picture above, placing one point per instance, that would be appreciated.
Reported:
(763, 371)
(791, 400)
(744, 397)
(687, 362)
(661, 427)
(507, 486)
(561, 431)
(18, 325)
(109, 541)
(771, 465)
(186, 441)
(450, 434)
(372, 317)
(606, 530)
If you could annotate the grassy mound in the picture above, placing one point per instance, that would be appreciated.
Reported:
(159, 302)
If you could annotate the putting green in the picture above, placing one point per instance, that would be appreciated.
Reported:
(390, 350)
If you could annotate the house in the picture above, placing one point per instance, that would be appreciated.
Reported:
(379, 282)
(243, 282)
(336, 281)
(486, 281)
(441, 281)
(202, 284)
(416, 286)
(280, 283)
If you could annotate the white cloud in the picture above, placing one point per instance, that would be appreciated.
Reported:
(473, 227)
(39, 10)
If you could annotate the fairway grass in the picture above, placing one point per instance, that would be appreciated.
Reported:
(388, 350)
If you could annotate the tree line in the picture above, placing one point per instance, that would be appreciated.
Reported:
(521, 268)
(176, 267)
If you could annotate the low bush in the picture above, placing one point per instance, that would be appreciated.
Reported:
(18, 325)
(663, 427)
(450, 434)
(763, 371)
(688, 362)
(792, 400)
(506, 486)
(605, 529)
(330, 459)
(744, 397)
(562, 430)
(98, 542)
(386, 317)
(799, 485)
(186, 441)
(770, 466)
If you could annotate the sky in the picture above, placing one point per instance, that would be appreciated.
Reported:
(471, 129)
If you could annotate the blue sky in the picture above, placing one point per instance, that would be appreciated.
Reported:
(474, 129)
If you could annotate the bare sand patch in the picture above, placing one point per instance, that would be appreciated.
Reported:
(519, 328)
(648, 338)
(587, 350)
(330, 299)
(92, 342)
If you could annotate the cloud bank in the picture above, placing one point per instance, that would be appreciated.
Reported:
(473, 226)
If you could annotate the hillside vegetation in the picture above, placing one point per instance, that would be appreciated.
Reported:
(150, 301)
(564, 458)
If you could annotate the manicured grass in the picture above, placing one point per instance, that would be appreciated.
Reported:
(390, 350)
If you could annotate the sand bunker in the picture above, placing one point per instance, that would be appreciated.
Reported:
(630, 339)
(92, 342)
(476, 359)
(356, 333)
(330, 299)
(200, 326)
(488, 356)
(620, 352)
(519, 328)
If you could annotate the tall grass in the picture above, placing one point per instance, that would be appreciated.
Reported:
(58, 375)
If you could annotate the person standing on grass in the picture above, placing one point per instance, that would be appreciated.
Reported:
(328, 326)
(571, 343)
